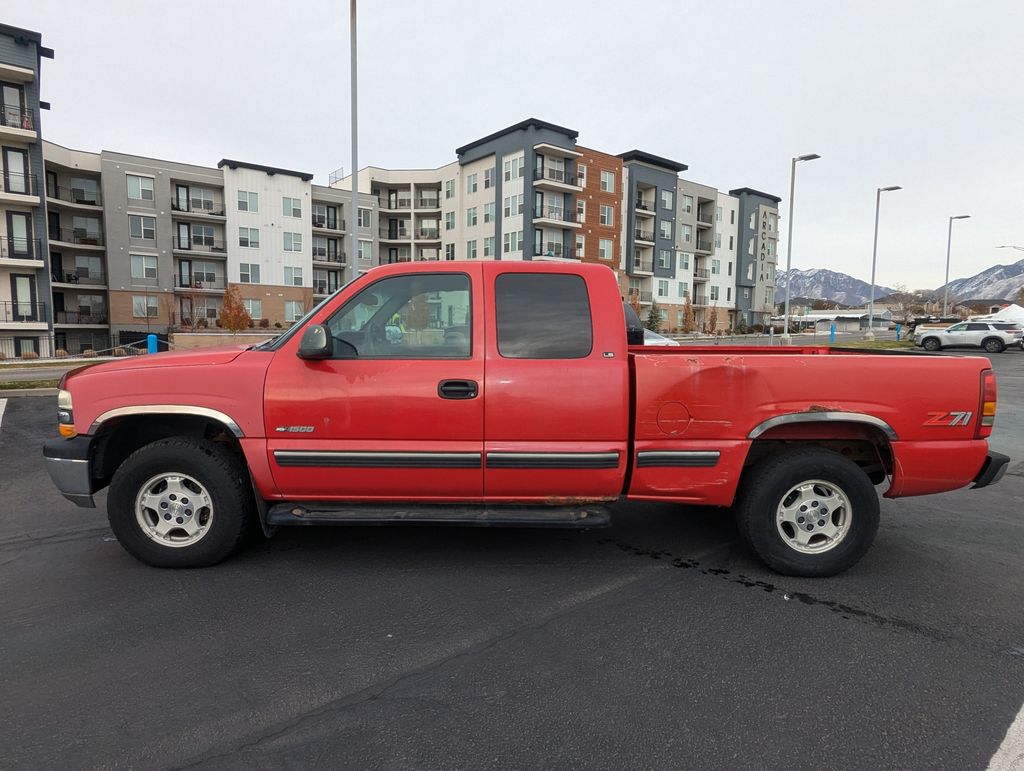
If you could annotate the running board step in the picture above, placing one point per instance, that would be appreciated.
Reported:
(328, 513)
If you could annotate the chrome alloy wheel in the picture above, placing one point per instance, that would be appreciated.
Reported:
(174, 510)
(814, 516)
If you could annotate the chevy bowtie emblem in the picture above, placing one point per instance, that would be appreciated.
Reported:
(294, 429)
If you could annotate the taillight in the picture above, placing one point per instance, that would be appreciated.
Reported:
(987, 410)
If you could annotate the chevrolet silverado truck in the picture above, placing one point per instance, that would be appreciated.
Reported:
(516, 394)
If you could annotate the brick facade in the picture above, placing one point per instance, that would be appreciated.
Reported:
(593, 231)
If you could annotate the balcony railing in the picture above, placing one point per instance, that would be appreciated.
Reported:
(199, 244)
(555, 175)
(17, 312)
(20, 248)
(643, 235)
(428, 203)
(13, 116)
(701, 273)
(646, 266)
(705, 217)
(431, 234)
(700, 299)
(217, 284)
(80, 317)
(559, 213)
(644, 296)
(19, 184)
(703, 245)
(327, 223)
(554, 249)
(324, 287)
(396, 234)
(82, 278)
(643, 205)
(217, 210)
(79, 236)
(322, 255)
(74, 195)
(398, 203)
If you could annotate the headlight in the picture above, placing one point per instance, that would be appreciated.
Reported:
(65, 415)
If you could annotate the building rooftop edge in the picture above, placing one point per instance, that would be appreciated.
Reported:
(524, 124)
(752, 191)
(267, 169)
(654, 160)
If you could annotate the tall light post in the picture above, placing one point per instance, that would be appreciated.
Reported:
(786, 339)
(874, 257)
(949, 245)
(354, 221)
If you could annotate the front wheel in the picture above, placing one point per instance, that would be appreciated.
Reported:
(808, 512)
(993, 345)
(180, 503)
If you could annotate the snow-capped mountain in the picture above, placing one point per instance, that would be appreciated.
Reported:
(997, 282)
(830, 285)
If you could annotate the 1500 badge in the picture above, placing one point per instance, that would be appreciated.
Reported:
(294, 429)
(949, 418)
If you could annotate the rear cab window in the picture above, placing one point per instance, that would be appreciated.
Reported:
(543, 316)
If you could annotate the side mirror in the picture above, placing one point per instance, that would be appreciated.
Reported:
(316, 343)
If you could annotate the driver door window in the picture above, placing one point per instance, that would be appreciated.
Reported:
(420, 316)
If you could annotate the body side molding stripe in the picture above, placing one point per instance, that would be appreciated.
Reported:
(823, 417)
(349, 459)
(553, 460)
(167, 409)
(677, 458)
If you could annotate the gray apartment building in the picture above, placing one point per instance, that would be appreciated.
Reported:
(757, 254)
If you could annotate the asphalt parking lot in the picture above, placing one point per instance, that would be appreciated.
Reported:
(658, 642)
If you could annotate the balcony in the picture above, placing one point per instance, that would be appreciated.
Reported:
(327, 223)
(644, 296)
(12, 248)
(74, 195)
(14, 117)
(79, 236)
(643, 266)
(428, 203)
(428, 234)
(700, 299)
(186, 207)
(558, 215)
(705, 218)
(644, 208)
(396, 234)
(79, 278)
(207, 245)
(704, 245)
(644, 235)
(322, 255)
(558, 178)
(324, 287)
(86, 317)
(217, 285)
(701, 274)
(19, 312)
(19, 184)
(396, 204)
(554, 249)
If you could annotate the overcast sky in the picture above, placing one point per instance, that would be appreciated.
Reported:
(925, 94)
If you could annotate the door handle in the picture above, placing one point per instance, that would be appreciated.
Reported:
(457, 389)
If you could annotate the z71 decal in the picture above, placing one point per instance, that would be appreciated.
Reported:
(949, 418)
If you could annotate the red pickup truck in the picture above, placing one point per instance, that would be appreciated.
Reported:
(498, 393)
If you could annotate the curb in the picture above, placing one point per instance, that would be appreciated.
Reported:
(9, 392)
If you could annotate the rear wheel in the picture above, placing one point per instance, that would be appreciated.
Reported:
(808, 512)
(180, 503)
(931, 344)
(993, 345)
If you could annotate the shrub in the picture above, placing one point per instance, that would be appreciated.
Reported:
(89, 353)
(757, 328)
(202, 324)
(251, 324)
(264, 323)
(119, 352)
(277, 324)
(2, 355)
(30, 355)
(60, 353)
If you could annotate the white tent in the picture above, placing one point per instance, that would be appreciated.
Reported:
(1009, 313)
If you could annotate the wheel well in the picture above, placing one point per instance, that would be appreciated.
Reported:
(993, 337)
(123, 436)
(865, 445)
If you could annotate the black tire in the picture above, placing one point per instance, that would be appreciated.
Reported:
(993, 345)
(764, 489)
(224, 477)
(931, 344)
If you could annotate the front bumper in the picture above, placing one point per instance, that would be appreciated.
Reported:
(68, 464)
(992, 470)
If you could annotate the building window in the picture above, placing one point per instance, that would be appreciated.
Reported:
(253, 307)
(684, 260)
(666, 199)
(714, 292)
(248, 201)
(471, 250)
(249, 273)
(449, 220)
(607, 181)
(143, 267)
(581, 175)
(145, 306)
(513, 205)
(292, 276)
(688, 204)
(718, 214)
(291, 207)
(716, 266)
(364, 218)
(718, 240)
(752, 222)
(581, 210)
(665, 228)
(512, 242)
(771, 248)
(449, 188)
(607, 215)
(471, 183)
(292, 242)
(366, 251)
(489, 246)
(732, 216)
(684, 290)
(731, 243)
(202, 235)
(201, 199)
(249, 237)
(750, 246)
(581, 242)
(489, 212)
(728, 293)
(140, 188)
(141, 227)
(488, 179)
(729, 266)
(513, 167)
(604, 248)
(664, 259)
(746, 293)
(662, 288)
(686, 232)
(293, 310)
(471, 216)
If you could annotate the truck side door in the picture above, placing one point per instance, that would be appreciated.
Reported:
(397, 413)
(557, 382)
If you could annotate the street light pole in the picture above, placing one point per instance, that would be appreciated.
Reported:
(874, 256)
(949, 245)
(354, 221)
(786, 339)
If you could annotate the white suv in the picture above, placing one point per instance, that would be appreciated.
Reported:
(993, 337)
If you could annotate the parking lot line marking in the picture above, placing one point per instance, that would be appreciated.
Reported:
(1010, 755)
(3, 406)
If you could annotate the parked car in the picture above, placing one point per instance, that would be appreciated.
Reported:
(539, 408)
(653, 338)
(971, 334)
(1011, 326)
